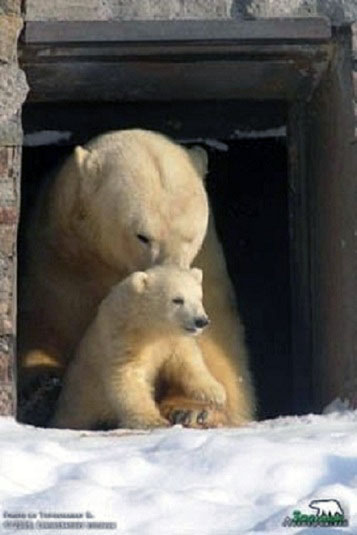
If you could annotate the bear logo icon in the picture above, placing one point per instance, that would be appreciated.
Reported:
(327, 507)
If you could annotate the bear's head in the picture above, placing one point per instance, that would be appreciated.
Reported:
(140, 200)
(168, 298)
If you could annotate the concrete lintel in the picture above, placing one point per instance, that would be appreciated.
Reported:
(298, 29)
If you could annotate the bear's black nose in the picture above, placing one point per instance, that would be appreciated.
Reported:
(201, 321)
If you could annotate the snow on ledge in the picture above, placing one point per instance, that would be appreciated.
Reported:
(46, 137)
(213, 143)
(281, 131)
(219, 145)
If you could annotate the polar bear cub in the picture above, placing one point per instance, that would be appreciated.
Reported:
(142, 341)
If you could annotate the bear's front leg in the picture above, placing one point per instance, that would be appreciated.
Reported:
(203, 387)
(195, 398)
(188, 370)
(131, 396)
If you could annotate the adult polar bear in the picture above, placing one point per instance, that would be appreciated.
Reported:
(124, 202)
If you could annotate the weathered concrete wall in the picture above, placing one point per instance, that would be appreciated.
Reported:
(127, 9)
(13, 86)
(337, 10)
(13, 90)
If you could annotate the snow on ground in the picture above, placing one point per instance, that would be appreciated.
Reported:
(179, 481)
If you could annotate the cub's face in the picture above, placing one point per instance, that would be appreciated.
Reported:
(170, 298)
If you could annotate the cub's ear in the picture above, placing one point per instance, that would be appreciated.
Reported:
(88, 166)
(197, 273)
(199, 159)
(139, 281)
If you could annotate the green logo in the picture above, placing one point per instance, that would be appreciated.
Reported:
(327, 513)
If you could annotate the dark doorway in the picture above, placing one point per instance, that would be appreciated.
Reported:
(248, 188)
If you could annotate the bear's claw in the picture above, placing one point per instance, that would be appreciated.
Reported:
(202, 417)
(192, 413)
(188, 418)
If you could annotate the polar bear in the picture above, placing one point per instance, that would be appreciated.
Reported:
(141, 342)
(126, 201)
(326, 507)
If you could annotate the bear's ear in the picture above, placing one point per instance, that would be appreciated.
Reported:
(199, 159)
(87, 163)
(140, 281)
(197, 273)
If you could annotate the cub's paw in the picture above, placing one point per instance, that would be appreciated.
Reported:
(209, 391)
(194, 414)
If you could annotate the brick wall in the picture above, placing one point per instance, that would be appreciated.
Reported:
(13, 89)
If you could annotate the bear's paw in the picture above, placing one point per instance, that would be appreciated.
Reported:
(192, 413)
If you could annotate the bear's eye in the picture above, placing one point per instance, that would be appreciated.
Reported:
(178, 301)
(143, 238)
